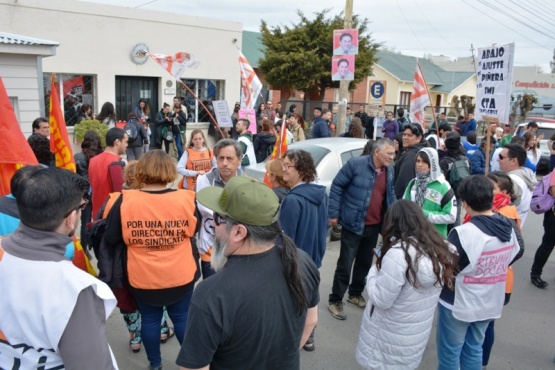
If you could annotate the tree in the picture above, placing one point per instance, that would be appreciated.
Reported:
(300, 56)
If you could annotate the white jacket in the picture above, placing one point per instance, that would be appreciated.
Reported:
(395, 334)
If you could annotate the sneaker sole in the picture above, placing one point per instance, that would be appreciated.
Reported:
(356, 304)
(344, 317)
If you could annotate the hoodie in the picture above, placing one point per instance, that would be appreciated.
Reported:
(304, 218)
(525, 181)
(405, 168)
(263, 145)
(439, 201)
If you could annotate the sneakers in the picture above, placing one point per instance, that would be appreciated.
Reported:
(538, 282)
(309, 345)
(336, 309)
(357, 300)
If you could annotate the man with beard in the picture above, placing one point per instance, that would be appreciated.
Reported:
(228, 155)
(261, 306)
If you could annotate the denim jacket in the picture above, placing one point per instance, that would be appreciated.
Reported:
(351, 192)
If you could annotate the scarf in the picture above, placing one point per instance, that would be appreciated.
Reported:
(421, 182)
(500, 200)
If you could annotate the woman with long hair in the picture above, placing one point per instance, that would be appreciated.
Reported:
(142, 110)
(155, 224)
(296, 126)
(107, 115)
(398, 144)
(431, 191)
(90, 147)
(196, 160)
(531, 145)
(274, 169)
(265, 140)
(355, 129)
(403, 288)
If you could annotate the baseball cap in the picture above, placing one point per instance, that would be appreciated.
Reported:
(242, 199)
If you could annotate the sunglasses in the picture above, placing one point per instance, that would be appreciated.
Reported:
(219, 219)
(501, 157)
(80, 207)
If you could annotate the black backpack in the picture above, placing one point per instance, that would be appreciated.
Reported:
(131, 129)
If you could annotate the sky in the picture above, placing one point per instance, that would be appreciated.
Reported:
(412, 27)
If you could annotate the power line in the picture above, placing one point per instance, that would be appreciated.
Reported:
(431, 24)
(542, 8)
(534, 14)
(408, 24)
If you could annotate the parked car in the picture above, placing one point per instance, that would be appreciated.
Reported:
(546, 126)
(329, 154)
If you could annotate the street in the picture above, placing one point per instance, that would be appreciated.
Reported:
(523, 340)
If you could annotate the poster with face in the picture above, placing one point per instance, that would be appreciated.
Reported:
(345, 42)
(249, 114)
(343, 68)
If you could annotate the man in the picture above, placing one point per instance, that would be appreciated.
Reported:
(470, 145)
(346, 45)
(402, 121)
(348, 119)
(511, 161)
(533, 128)
(262, 304)
(279, 111)
(495, 156)
(343, 72)
(486, 246)
(470, 125)
(228, 154)
(438, 141)
(405, 166)
(41, 127)
(317, 114)
(270, 112)
(321, 127)
(442, 119)
(362, 115)
(63, 309)
(359, 197)
(106, 169)
(245, 140)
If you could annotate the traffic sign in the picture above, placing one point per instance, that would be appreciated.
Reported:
(377, 90)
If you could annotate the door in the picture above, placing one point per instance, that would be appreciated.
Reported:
(130, 89)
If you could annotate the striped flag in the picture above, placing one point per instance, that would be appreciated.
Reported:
(15, 152)
(279, 149)
(59, 141)
(176, 64)
(250, 84)
(420, 97)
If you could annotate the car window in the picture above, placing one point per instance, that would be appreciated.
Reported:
(345, 156)
(317, 152)
(547, 132)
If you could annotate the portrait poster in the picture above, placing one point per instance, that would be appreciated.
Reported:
(345, 42)
(343, 67)
(249, 114)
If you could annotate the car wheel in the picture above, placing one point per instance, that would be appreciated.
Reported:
(335, 233)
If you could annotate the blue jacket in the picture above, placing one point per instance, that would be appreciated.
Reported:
(478, 162)
(470, 126)
(303, 217)
(351, 191)
(321, 128)
(470, 148)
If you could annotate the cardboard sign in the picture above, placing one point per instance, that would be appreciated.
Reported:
(222, 113)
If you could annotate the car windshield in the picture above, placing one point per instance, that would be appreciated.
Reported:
(317, 152)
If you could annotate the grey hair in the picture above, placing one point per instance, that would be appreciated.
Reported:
(382, 143)
(257, 235)
(228, 142)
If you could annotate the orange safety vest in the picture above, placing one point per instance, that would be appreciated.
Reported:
(197, 161)
(112, 197)
(157, 229)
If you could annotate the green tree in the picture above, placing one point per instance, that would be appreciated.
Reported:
(300, 56)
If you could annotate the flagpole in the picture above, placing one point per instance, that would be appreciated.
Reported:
(429, 96)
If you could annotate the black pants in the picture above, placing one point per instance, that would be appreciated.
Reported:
(545, 248)
(86, 217)
(360, 250)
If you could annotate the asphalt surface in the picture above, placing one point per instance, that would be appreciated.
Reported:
(524, 336)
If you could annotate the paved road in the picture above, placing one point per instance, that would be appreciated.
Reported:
(524, 335)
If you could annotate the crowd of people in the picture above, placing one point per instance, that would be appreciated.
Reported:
(200, 251)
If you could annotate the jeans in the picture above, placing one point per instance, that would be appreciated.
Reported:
(179, 145)
(206, 269)
(134, 153)
(150, 326)
(358, 249)
(488, 343)
(546, 247)
(459, 343)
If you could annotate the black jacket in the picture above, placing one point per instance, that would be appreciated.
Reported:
(141, 138)
(263, 145)
(405, 168)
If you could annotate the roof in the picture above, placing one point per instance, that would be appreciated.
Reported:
(403, 66)
(10, 38)
(252, 47)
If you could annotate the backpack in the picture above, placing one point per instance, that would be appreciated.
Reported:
(459, 171)
(542, 200)
(131, 129)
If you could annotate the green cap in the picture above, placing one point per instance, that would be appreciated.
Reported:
(244, 200)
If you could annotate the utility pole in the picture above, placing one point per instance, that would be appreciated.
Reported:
(344, 85)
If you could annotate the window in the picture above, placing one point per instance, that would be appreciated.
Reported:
(15, 105)
(206, 91)
(75, 90)
(404, 98)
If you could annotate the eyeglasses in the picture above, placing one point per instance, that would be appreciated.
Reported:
(80, 207)
(219, 219)
(501, 157)
(287, 166)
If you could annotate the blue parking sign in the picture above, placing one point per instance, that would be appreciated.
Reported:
(377, 90)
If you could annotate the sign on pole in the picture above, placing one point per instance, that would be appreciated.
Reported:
(222, 113)
(494, 81)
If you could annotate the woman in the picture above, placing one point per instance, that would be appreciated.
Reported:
(431, 192)
(274, 169)
(355, 129)
(179, 127)
(107, 115)
(162, 130)
(304, 215)
(135, 144)
(90, 147)
(398, 144)
(142, 110)
(531, 145)
(390, 127)
(403, 290)
(40, 146)
(264, 142)
(155, 224)
(296, 125)
(195, 161)
(85, 113)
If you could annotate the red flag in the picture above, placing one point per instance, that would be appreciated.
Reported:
(59, 141)
(176, 64)
(420, 98)
(250, 84)
(279, 149)
(16, 152)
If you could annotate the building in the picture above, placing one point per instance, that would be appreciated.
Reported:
(101, 58)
